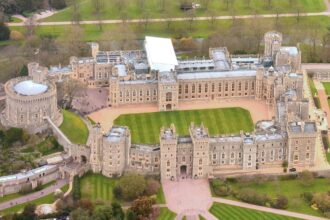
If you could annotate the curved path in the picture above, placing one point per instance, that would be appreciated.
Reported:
(33, 196)
(205, 18)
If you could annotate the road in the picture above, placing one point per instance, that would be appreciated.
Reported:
(36, 195)
(207, 18)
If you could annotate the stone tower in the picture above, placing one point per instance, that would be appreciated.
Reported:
(113, 98)
(95, 144)
(38, 73)
(301, 144)
(259, 83)
(168, 91)
(94, 49)
(168, 153)
(273, 42)
(200, 139)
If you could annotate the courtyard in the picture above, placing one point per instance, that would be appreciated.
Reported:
(257, 109)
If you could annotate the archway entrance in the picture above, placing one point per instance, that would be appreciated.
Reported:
(168, 107)
(183, 171)
(83, 159)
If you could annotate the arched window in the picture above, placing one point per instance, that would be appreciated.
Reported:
(200, 161)
(168, 163)
(168, 96)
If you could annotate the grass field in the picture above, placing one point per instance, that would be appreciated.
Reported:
(166, 214)
(314, 92)
(326, 86)
(96, 187)
(292, 189)
(74, 128)
(228, 212)
(43, 200)
(145, 127)
(153, 8)
(160, 197)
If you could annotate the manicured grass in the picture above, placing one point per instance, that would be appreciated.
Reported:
(145, 127)
(96, 187)
(160, 197)
(328, 157)
(313, 89)
(74, 127)
(15, 20)
(201, 217)
(326, 86)
(166, 214)
(228, 212)
(49, 199)
(153, 9)
(292, 189)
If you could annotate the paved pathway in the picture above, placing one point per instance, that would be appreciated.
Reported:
(36, 195)
(266, 209)
(205, 18)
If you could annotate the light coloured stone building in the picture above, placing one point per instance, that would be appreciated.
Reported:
(31, 99)
(154, 75)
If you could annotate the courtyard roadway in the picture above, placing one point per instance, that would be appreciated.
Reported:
(258, 109)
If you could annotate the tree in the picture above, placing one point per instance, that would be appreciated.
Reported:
(132, 186)
(322, 200)
(98, 5)
(4, 32)
(76, 16)
(57, 4)
(130, 215)
(103, 213)
(27, 214)
(152, 187)
(79, 214)
(117, 211)
(142, 207)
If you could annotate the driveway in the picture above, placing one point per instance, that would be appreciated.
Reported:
(188, 198)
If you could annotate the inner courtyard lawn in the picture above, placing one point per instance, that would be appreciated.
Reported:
(145, 128)
(133, 9)
(292, 189)
(228, 212)
(74, 127)
(166, 214)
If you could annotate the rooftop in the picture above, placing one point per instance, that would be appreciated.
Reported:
(210, 75)
(29, 88)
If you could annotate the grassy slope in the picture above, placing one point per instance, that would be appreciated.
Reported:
(326, 86)
(166, 214)
(160, 197)
(227, 212)
(43, 200)
(74, 128)
(145, 127)
(97, 187)
(292, 189)
(153, 8)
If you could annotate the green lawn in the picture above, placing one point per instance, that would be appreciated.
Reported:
(160, 197)
(145, 127)
(326, 86)
(154, 9)
(292, 189)
(166, 214)
(314, 92)
(228, 212)
(328, 157)
(74, 127)
(96, 187)
(43, 200)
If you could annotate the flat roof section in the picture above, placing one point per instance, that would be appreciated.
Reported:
(160, 53)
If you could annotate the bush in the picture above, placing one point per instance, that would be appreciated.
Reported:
(132, 186)
(231, 180)
(4, 32)
(16, 35)
(308, 196)
(220, 188)
(152, 187)
(76, 194)
(281, 202)
(117, 192)
(253, 197)
(306, 178)
(322, 200)
(57, 4)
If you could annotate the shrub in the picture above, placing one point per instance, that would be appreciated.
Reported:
(220, 188)
(231, 180)
(152, 187)
(16, 35)
(306, 178)
(142, 207)
(322, 200)
(251, 196)
(281, 202)
(117, 192)
(308, 196)
(4, 32)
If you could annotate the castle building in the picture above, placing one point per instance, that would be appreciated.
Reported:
(155, 75)
(31, 99)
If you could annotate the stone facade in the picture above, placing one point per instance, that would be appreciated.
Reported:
(31, 99)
